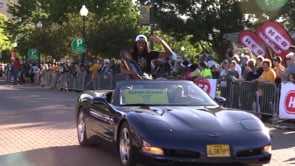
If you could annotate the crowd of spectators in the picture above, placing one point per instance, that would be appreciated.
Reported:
(235, 67)
(31, 72)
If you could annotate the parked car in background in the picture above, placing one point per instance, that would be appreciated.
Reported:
(167, 122)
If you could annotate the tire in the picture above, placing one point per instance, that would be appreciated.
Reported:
(81, 129)
(125, 152)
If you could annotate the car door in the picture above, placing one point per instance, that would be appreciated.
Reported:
(102, 117)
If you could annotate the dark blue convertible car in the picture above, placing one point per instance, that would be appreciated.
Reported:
(170, 122)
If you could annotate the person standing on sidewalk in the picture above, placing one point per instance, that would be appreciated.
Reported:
(16, 68)
(94, 75)
(33, 71)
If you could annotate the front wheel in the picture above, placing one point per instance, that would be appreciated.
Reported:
(126, 156)
(81, 130)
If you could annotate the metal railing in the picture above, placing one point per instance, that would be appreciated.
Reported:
(261, 99)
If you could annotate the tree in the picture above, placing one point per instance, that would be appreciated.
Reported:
(5, 44)
(109, 26)
(206, 21)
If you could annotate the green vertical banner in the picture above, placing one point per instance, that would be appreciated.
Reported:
(144, 17)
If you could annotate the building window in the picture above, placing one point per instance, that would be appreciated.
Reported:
(1, 5)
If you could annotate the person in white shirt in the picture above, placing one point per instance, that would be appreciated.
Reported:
(33, 72)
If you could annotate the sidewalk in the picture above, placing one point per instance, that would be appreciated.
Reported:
(10, 85)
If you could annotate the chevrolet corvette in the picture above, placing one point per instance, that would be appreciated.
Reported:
(169, 122)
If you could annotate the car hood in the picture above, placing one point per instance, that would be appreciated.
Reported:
(181, 119)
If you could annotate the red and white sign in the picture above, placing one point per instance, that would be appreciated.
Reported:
(275, 48)
(287, 101)
(277, 36)
(12, 55)
(249, 39)
(208, 85)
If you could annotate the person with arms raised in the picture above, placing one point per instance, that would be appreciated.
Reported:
(142, 56)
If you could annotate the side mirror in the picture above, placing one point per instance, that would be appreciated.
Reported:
(99, 100)
(220, 100)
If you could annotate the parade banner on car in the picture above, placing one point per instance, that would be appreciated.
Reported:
(145, 96)
(275, 33)
(287, 101)
(208, 85)
(257, 46)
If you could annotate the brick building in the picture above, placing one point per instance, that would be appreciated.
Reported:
(4, 7)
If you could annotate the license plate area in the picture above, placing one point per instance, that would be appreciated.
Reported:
(218, 150)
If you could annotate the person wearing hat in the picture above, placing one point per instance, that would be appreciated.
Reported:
(143, 56)
(290, 69)
(278, 68)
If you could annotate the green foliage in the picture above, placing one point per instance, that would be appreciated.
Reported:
(198, 25)
(4, 42)
(110, 26)
(205, 21)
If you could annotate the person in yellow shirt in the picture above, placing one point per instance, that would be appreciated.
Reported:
(54, 74)
(266, 90)
(94, 74)
(268, 74)
(54, 68)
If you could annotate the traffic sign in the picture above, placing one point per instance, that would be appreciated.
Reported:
(79, 45)
(33, 54)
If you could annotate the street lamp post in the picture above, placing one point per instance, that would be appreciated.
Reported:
(182, 52)
(182, 49)
(152, 22)
(83, 13)
(39, 25)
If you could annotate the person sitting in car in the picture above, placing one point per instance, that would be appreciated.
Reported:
(177, 95)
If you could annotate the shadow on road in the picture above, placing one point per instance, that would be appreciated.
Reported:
(61, 156)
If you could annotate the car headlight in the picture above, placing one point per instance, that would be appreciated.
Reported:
(148, 148)
(267, 149)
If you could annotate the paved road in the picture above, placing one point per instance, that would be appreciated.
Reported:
(37, 128)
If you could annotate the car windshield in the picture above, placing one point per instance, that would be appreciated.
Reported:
(166, 93)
